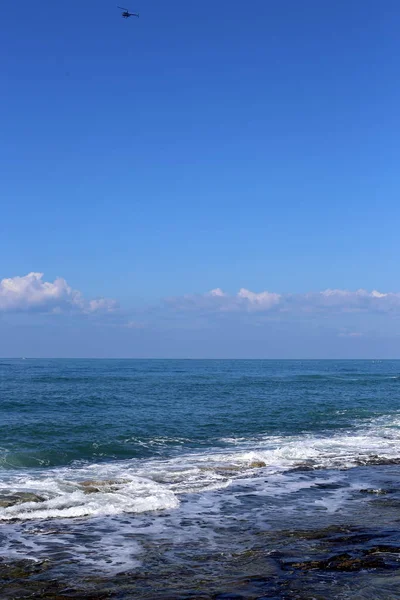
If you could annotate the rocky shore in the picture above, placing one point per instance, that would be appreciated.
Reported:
(329, 561)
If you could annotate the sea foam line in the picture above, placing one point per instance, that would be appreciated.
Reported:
(137, 486)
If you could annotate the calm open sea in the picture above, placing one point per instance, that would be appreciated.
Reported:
(200, 479)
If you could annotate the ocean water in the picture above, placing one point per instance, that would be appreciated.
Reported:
(158, 478)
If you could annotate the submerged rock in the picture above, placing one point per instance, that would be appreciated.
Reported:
(19, 498)
(222, 469)
(382, 548)
(326, 533)
(303, 466)
(257, 464)
(376, 460)
(346, 562)
(21, 569)
(93, 486)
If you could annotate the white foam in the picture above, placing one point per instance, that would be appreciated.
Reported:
(158, 484)
(136, 496)
(72, 542)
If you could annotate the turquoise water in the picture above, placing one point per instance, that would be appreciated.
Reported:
(127, 456)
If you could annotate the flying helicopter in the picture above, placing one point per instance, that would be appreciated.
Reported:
(126, 14)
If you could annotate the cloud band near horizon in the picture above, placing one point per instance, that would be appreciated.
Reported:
(330, 300)
(31, 293)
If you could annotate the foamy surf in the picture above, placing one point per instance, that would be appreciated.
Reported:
(159, 470)
(58, 498)
(140, 486)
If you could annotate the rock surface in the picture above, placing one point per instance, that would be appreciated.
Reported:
(19, 498)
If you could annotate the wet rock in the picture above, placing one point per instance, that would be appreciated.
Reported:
(91, 489)
(328, 486)
(93, 486)
(372, 491)
(304, 466)
(353, 539)
(335, 535)
(21, 569)
(229, 597)
(325, 533)
(19, 498)
(343, 562)
(382, 549)
(39, 590)
(375, 460)
(387, 502)
(226, 469)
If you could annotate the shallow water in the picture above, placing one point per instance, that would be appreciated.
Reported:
(197, 478)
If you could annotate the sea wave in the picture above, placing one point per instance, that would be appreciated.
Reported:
(52, 497)
(141, 485)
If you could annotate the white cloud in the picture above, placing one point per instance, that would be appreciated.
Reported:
(31, 293)
(217, 293)
(360, 300)
(348, 294)
(218, 301)
(261, 301)
(102, 305)
(330, 300)
(376, 294)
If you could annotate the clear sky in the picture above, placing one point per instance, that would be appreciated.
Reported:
(204, 146)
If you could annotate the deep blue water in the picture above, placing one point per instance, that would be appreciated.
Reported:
(54, 412)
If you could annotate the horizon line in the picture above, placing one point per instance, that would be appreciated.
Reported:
(181, 358)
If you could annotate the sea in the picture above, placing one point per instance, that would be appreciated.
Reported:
(200, 479)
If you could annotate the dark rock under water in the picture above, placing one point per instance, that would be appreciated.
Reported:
(254, 574)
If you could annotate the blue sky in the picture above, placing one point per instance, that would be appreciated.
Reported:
(214, 145)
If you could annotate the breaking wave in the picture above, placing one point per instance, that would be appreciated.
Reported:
(141, 485)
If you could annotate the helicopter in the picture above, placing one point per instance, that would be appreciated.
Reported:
(126, 14)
